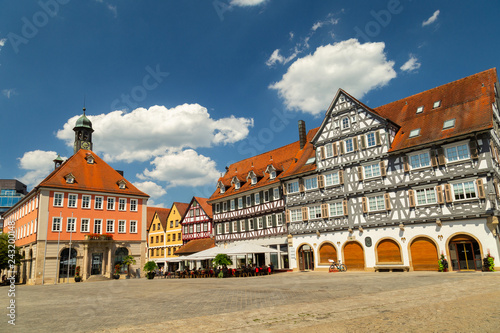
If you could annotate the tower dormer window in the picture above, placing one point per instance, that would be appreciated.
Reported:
(122, 184)
(90, 158)
(70, 179)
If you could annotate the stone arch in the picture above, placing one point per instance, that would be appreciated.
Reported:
(327, 250)
(120, 254)
(388, 251)
(67, 262)
(424, 253)
(353, 255)
(305, 257)
(457, 257)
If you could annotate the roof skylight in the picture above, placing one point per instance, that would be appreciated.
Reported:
(311, 160)
(437, 104)
(414, 133)
(449, 123)
(420, 109)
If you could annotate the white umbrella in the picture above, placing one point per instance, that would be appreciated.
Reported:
(248, 248)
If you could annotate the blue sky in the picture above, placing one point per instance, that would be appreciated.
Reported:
(177, 90)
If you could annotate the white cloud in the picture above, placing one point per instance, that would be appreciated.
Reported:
(182, 168)
(2, 42)
(431, 19)
(38, 164)
(9, 92)
(311, 82)
(113, 9)
(329, 21)
(145, 133)
(247, 3)
(151, 188)
(276, 57)
(411, 65)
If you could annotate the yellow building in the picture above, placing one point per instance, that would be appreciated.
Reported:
(173, 231)
(157, 219)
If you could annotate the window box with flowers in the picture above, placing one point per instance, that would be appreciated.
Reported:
(78, 278)
(99, 237)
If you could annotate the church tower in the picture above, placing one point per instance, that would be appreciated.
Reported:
(83, 133)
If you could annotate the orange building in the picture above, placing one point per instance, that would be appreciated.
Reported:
(84, 214)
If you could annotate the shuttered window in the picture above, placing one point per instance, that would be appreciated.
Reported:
(336, 209)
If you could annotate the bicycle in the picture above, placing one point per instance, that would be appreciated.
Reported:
(337, 266)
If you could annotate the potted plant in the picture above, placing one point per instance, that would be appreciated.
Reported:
(116, 274)
(443, 264)
(78, 278)
(150, 268)
(128, 260)
(488, 263)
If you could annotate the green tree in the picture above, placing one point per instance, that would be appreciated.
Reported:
(222, 259)
(8, 254)
(128, 260)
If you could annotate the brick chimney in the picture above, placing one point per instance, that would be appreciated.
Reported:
(302, 134)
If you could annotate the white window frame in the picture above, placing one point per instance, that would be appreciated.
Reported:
(311, 183)
(235, 226)
(226, 227)
(122, 204)
(335, 178)
(345, 125)
(336, 208)
(276, 193)
(242, 225)
(98, 202)
(237, 185)
(253, 180)
(371, 142)
(110, 203)
(378, 198)
(329, 150)
(232, 204)
(427, 190)
(85, 225)
(133, 205)
(56, 223)
(58, 199)
(279, 220)
(272, 174)
(419, 154)
(122, 226)
(349, 145)
(97, 226)
(269, 221)
(455, 146)
(314, 212)
(71, 221)
(219, 229)
(224, 206)
(248, 200)
(110, 226)
(266, 195)
(251, 224)
(240, 203)
(86, 201)
(133, 227)
(72, 200)
(260, 222)
(292, 187)
(372, 166)
(295, 215)
(454, 186)
(257, 198)
(205, 226)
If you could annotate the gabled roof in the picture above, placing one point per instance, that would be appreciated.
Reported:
(182, 208)
(468, 100)
(299, 165)
(281, 158)
(195, 245)
(162, 215)
(98, 176)
(204, 205)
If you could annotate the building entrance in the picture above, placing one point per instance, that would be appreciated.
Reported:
(96, 264)
(465, 254)
(306, 258)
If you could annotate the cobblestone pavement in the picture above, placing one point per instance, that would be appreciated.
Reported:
(287, 302)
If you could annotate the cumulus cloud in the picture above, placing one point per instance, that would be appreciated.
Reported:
(145, 133)
(311, 82)
(151, 188)
(431, 19)
(38, 164)
(182, 168)
(247, 3)
(411, 65)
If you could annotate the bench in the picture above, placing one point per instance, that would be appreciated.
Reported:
(392, 268)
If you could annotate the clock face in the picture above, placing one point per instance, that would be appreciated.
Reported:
(85, 145)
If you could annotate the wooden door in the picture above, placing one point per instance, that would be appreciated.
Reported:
(327, 251)
(388, 252)
(424, 255)
(354, 258)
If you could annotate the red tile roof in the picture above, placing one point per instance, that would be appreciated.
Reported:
(182, 208)
(162, 215)
(299, 165)
(98, 177)
(195, 245)
(468, 100)
(205, 206)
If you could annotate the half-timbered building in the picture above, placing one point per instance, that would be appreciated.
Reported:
(248, 203)
(397, 186)
(197, 223)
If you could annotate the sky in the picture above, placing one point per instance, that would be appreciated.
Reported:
(177, 90)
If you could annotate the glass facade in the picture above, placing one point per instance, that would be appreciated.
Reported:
(11, 192)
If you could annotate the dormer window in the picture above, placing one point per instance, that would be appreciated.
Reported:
(221, 187)
(253, 180)
(420, 109)
(122, 184)
(90, 158)
(70, 179)
(237, 185)
(345, 123)
(222, 190)
(414, 133)
(272, 175)
(449, 124)
(437, 104)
